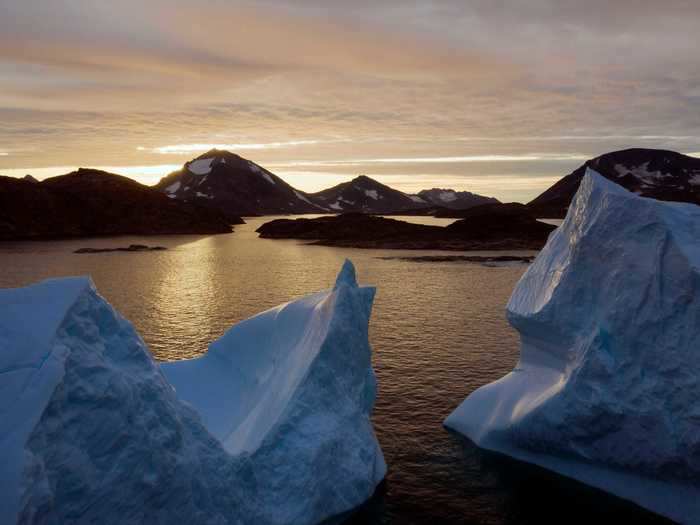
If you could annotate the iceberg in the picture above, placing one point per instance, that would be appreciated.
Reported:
(607, 384)
(270, 426)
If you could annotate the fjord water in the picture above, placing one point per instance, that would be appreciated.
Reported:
(438, 332)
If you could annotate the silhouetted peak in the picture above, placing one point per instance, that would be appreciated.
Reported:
(218, 154)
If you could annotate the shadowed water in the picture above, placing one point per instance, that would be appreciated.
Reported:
(438, 332)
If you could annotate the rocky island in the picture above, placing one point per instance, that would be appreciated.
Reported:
(485, 227)
(130, 248)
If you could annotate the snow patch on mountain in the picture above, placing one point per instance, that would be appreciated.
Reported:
(416, 198)
(448, 196)
(200, 166)
(259, 170)
(642, 173)
(372, 194)
(301, 197)
(173, 187)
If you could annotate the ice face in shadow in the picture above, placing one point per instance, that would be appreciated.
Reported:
(295, 382)
(607, 384)
(92, 431)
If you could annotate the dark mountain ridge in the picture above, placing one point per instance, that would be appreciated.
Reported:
(237, 186)
(655, 173)
(458, 200)
(366, 195)
(90, 202)
(234, 186)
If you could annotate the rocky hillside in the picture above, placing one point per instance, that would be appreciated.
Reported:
(659, 174)
(235, 186)
(457, 200)
(366, 195)
(91, 203)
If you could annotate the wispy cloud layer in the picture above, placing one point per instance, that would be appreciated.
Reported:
(190, 149)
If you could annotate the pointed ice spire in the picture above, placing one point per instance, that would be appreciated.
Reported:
(346, 276)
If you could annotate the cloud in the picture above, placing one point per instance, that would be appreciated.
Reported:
(190, 149)
(88, 83)
(433, 160)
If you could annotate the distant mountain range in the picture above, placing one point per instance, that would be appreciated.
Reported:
(92, 203)
(659, 174)
(239, 187)
(213, 191)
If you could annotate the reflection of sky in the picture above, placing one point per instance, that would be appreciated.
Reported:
(489, 98)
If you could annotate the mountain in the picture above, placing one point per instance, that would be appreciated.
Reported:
(235, 186)
(365, 195)
(659, 174)
(91, 202)
(458, 200)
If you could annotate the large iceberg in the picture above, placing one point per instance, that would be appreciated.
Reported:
(271, 426)
(606, 390)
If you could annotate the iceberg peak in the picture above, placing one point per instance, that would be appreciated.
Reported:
(347, 275)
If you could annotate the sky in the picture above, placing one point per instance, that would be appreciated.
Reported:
(492, 96)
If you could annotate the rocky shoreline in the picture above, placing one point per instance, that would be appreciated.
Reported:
(130, 248)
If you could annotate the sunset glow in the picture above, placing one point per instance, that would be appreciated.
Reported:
(337, 90)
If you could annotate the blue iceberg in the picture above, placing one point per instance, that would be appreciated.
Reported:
(270, 426)
(608, 380)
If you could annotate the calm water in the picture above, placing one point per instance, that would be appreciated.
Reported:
(438, 332)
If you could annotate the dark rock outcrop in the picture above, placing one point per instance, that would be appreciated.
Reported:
(130, 248)
(367, 231)
(93, 203)
(457, 200)
(504, 222)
